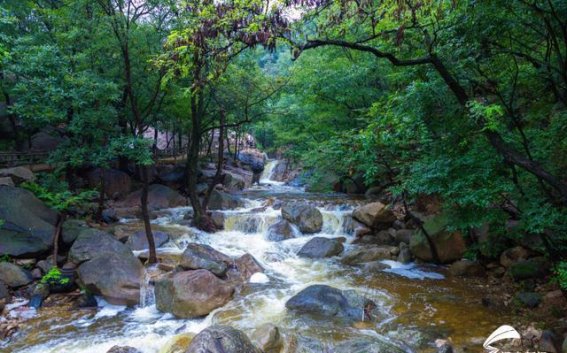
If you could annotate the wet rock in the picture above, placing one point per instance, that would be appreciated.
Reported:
(361, 231)
(36, 273)
(221, 339)
(366, 345)
(244, 268)
(191, 294)
(4, 292)
(86, 300)
(443, 346)
(159, 197)
(253, 158)
(466, 268)
(450, 246)
(534, 268)
(308, 218)
(44, 265)
(123, 349)
(363, 254)
(326, 301)
(71, 229)
(224, 201)
(529, 299)
(14, 276)
(375, 215)
(268, 338)
(110, 215)
(405, 254)
(26, 233)
(233, 181)
(201, 256)
(513, 255)
(403, 236)
(39, 294)
(7, 181)
(375, 266)
(320, 247)
(281, 230)
(218, 219)
(92, 243)
(178, 343)
(17, 174)
(173, 176)
(116, 277)
(139, 241)
(116, 182)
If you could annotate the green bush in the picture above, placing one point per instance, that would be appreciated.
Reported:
(59, 200)
(53, 277)
(561, 272)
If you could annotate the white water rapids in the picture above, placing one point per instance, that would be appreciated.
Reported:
(148, 330)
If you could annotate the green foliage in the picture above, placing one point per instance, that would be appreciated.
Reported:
(5, 258)
(54, 277)
(561, 273)
(60, 200)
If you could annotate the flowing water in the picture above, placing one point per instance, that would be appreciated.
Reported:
(418, 304)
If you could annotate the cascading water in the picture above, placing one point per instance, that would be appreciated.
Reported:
(404, 303)
(267, 174)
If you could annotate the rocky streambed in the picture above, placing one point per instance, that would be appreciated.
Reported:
(290, 272)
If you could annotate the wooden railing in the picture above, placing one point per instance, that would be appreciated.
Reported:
(15, 159)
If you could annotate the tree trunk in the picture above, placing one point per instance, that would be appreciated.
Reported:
(220, 159)
(56, 236)
(146, 216)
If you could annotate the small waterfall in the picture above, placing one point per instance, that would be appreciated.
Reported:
(335, 221)
(268, 173)
(250, 222)
(147, 294)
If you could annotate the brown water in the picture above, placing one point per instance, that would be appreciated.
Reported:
(414, 311)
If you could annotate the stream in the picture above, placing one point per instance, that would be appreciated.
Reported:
(418, 303)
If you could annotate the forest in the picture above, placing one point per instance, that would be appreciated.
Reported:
(285, 176)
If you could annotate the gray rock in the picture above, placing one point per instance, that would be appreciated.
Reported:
(123, 349)
(466, 268)
(201, 256)
(281, 230)
(450, 245)
(326, 301)
(92, 243)
(159, 197)
(221, 339)
(268, 338)
(405, 254)
(28, 227)
(14, 276)
(375, 215)
(233, 181)
(6, 181)
(115, 276)
(363, 254)
(191, 294)
(138, 241)
(17, 174)
(320, 247)
(243, 268)
(224, 201)
(529, 299)
(71, 230)
(116, 182)
(4, 292)
(308, 218)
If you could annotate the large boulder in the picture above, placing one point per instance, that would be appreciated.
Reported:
(243, 268)
(116, 182)
(91, 243)
(466, 268)
(253, 158)
(308, 218)
(534, 268)
(363, 254)
(28, 225)
(17, 174)
(267, 337)
(233, 181)
(224, 201)
(221, 339)
(139, 241)
(320, 247)
(280, 230)
(173, 176)
(71, 229)
(329, 302)
(191, 294)
(375, 215)
(159, 197)
(450, 245)
(201, 256)
(13, 275)
(114, 276)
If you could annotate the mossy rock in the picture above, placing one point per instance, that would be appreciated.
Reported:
(450, 245)
(534, 268)
(178, 343)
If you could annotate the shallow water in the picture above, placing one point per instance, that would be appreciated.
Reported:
(417, 304)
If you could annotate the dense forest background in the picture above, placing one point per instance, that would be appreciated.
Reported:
(464, 101)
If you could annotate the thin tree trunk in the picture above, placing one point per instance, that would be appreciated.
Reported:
(146, 216)
(56, 236)
(220, 161)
